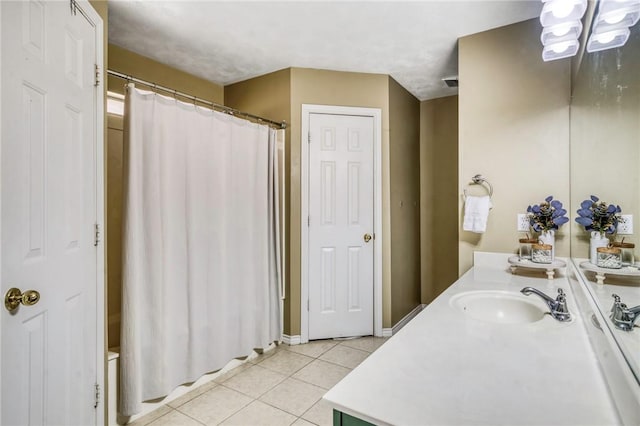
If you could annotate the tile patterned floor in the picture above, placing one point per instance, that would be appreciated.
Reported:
(282, 386)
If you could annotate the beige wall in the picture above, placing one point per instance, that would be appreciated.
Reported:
(404, 172)
(513, 129)
(269, 96)
(438, 195)
(309, 86)
(139, 66)
(605, 129)
(114, 226)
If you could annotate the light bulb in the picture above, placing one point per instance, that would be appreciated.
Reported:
(560, 47)
(560, 31)
(605, 38)
(608, 40)
(562, 9)
(615, 18)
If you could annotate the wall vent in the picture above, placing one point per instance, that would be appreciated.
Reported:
(451, 81)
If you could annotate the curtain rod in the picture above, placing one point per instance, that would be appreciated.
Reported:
(213, 105)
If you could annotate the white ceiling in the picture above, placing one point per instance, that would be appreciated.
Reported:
(229, 41)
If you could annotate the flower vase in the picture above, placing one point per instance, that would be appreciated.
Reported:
(549, 237)
(597, 240)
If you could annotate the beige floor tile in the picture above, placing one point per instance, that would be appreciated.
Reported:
(314, 349)
(148, 418)
(321, 373)
(320, 414)
(226, 375)
(260, 414)
(293, 396)
(215, 405)
(344, 356)
(302, 422)
(286, 362)
(255, 381)
(192, 394)
(369, 344)
(175, 418)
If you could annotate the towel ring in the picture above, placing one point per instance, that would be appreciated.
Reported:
(479, 180)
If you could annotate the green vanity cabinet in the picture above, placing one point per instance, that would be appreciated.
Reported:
(343, 419)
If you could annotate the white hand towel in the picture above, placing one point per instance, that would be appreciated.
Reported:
(476, 213)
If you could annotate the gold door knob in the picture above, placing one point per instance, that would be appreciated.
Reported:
(367, 238)
(15, 297)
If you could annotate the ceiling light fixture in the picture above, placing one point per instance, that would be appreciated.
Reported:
(623, 18)
(562, 26)
(564, 49)
(606, 6)
(611, 25)
(561, 32)
(608, 40)
(560, 11)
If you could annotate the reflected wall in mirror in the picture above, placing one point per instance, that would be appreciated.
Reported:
(605, 161)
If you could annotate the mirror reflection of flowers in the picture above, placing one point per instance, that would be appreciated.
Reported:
(547, 216)
(596, 215)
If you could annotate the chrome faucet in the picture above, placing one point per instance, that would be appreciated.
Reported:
(558, 306)
(621, 316)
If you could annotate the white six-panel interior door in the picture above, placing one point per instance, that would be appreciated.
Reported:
(51, 180)
(340, 255)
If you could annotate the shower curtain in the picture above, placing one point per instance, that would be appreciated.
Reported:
(201, 267)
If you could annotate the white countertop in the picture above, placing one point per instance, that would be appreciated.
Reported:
(444, 368)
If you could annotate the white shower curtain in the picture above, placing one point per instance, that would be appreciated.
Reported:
(201, 269)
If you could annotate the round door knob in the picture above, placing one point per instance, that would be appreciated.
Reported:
(367, 238)
(15, 297)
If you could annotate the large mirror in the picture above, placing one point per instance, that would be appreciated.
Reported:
(605, 162)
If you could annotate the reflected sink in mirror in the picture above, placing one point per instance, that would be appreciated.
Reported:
(499, 307)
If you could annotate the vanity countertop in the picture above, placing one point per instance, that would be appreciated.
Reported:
(446, 368)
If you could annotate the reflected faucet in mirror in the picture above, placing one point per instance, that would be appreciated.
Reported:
(622, 317)
(558, 306)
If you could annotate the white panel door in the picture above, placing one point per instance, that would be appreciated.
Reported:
(341, 184)
(49, 212)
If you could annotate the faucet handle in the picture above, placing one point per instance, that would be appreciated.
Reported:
(560, 307)
(623, 317)
(617, 303)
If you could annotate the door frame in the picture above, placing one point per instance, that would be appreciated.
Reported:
(376, 114)
(94, 18)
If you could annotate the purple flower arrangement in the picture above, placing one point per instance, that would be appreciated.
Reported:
(547, 215)
(596, 215)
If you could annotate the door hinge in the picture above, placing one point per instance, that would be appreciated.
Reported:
(307, 304)
(97, 83)
(308, 220)
(309, 137)
(97, 395)
(96, 240)
(74, 6)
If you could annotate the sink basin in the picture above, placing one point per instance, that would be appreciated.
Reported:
(499, 307)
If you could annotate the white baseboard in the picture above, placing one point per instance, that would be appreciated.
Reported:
(290, 340)
(388, 332)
